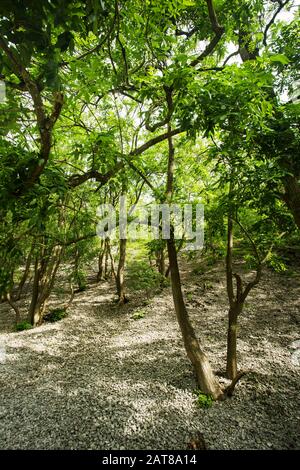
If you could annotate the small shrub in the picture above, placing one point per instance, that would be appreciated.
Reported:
(138, 314)
(23, 325)
(55, 315)
(203, 400)
(142, 276)
(277, 264)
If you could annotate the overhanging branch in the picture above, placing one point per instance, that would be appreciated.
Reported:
(218, 30)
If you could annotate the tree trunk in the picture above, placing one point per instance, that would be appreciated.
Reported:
(44, 277)
(292, 197)
(205, 376)
(106, 256)
(236, 300)
(204, 373)
(112, 261)
(231, 362)
(37, 313)
(100, 263)
(160, 261)
(15, 308)
(25, 275)
(32, 316)
(120, 272)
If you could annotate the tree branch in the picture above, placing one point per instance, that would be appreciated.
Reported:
(31, 86)
(103, 178)
(78, 179)
(218, 30)
(187, 34)
(45, 123)
(154, 141)
(230, 56)
(272, 20)
(98, 46)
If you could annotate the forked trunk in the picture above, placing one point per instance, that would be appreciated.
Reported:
(44, 277)
(236, 299)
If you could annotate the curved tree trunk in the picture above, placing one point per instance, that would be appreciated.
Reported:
(112, 261)
(204, 373)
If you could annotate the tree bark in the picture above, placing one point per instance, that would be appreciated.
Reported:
(160, 261)
(15, 308)
(32, 317)
(120, 272)
(231, 362)
(112, 261)
(106, 256)
(100, 262)
(25, 275)
(205, 376)
(292, 196)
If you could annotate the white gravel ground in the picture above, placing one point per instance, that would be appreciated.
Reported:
(102, 380)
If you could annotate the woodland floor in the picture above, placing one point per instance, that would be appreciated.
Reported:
(101, 380)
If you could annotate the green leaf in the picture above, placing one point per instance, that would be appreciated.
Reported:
(283, 59)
